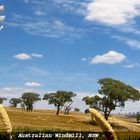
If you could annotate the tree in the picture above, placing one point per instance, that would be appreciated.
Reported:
(138, 116)
(67, 108)
(29, 99)
(87, 111)
(2, 99)
(113, 93)
(76, 109)
(59, 99)
(15, 101)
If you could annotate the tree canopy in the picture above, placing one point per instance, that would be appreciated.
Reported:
(59, 99)
(112, 94)
(2, 99)
(29, 99)
(15, 101)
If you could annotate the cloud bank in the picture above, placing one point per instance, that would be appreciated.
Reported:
(113, 12)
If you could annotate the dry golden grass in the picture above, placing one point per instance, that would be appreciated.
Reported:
(46, 119)
(127, 123)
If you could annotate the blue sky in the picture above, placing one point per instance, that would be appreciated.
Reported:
(49, 45)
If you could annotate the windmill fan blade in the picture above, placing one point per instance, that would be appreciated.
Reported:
(1, 8)
(2, 18)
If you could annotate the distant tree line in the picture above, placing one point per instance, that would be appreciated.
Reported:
(60, 99)
(111, 95)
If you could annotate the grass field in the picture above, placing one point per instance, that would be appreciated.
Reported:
(47, 120)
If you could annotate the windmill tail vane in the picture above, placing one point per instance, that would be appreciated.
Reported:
(1, 16)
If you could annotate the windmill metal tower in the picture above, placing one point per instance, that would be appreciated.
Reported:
(1, 17)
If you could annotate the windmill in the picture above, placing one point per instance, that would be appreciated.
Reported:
(1, 17)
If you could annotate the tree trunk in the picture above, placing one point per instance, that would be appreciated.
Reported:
(68, 112)
(106, 115)
(65, 112)
(58, 109)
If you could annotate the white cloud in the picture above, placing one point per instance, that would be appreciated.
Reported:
(40, 13)
(133, 43)
(111, 57)
(129, 66)
(45, 22)
(61, 6)
(46, 28)
(33, 84)
(10, 92)
(22, 56)
(132, 65)
(130, 28)
(36, 55)
(72, 6)
(113, 12)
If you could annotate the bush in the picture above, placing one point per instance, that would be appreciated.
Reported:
(77, 110)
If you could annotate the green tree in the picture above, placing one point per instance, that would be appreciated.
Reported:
(15, 101)
(76, 109)
(59, 99)
(113, 93)
(2, 99)
(29, 99)
(67, 108)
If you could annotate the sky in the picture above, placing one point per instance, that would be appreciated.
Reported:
(50, 45)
